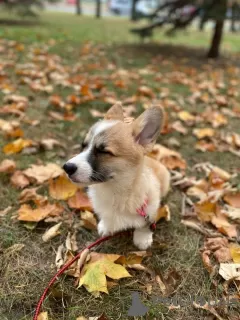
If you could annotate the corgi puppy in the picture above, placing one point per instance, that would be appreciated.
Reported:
(121, 178)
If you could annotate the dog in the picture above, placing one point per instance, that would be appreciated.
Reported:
(125, 186)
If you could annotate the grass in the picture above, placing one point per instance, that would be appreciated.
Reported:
(26, 270)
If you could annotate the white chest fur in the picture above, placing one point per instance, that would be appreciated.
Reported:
(115, 203)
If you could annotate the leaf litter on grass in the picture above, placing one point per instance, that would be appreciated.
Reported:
(211, 203)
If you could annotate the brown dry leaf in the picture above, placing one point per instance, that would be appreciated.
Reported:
(171, 159)
(43, 316)
(197, 192)
(219, 247)
(221, 222)
(31, 194)
(5, 211)
(26, 213)
(41, 173)
(209, 308)
(205, 210)
(204, 133)
(17, 146)
(19, 180)
(204, 146)
(81, 318)
(177, 125)
(62, 188)
(88, 220)
(49, 144)
(231, 212)
(7, 166)
(235, 252)
(233, 199)
(52, 232)
(163, 212)
(207, 261)
(230, 271)
(80, 201)
(146, 91)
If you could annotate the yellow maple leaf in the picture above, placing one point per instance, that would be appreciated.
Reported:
(93, 276)
(62, 188)
(17, 146)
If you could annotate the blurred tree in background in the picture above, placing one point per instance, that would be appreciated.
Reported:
(25, 7)
(181, 13)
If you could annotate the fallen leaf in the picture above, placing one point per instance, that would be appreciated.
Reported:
(146, 91)
(88, 220)
(52, 232)
(43, 316)
(5, 211)
(41, 173)
(62, 188)
(231, 212)
(93, 275)
(26, 213)
(17, 146)
(209, 308)
(204, 133)
(49, 144)
(186, 116)
(163, 212)
(31, 194)
(221, 222)
(7, 166)
(19, 180)
(205, 210)
(230, 271)
(80, 201)
(233, 199)
(204, 146)
(219, 247)
(235, 252)
(171, 159)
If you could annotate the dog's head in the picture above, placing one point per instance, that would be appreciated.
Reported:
(112, 148)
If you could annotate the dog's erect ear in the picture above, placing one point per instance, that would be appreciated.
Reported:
(115, 112)
(147, 127)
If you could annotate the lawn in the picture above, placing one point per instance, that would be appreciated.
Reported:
(68, 67)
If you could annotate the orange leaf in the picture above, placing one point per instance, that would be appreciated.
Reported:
(17, 146)
(204, 133)
(26, 213)
(205, 210)
(233, 199)
(62, 188)
(80, 201)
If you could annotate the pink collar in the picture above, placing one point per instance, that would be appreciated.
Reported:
(142, 212)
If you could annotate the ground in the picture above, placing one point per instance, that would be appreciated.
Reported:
(117, 65)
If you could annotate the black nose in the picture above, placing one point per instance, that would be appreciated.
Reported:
(70, 168)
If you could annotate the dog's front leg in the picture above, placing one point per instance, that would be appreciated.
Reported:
(143, 238)
(103, 229)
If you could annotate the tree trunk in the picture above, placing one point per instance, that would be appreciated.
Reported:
(98, 9)
(78, 7)
(133, 11)
(216, 40)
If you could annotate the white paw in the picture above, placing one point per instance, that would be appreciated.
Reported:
(143, 238)
(102, 229)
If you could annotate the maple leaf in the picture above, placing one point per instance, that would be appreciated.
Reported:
(62, 188)
(233, 199)
(43, 316)
(93, 275)
(17, 146)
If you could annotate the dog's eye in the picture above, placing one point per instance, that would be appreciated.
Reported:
(103, 150)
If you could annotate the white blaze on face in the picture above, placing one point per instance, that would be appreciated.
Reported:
(84, 169)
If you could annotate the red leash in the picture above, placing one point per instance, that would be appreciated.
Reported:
(66, 266)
